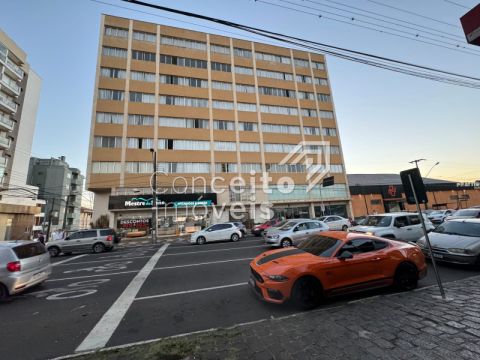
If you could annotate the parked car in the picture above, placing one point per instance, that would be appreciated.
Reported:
(23, 264)
(333, 263)
(259, 229)
(336, 222)
(359, 220)
(241, 226)
(401, 225)
(471, 213)
(438, 216)
(217, 232)
(293, 232)
(91, 240)
(455, 241)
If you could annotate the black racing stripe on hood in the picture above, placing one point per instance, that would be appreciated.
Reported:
(279, 255)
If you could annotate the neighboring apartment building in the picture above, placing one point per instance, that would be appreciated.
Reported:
(61, 187)
(19, 97)
(211, 106)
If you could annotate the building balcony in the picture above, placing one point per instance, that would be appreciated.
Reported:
(5, 142)
(9, 86)
(7, 104)
(11, 68)
(6, 123)
(3, 162)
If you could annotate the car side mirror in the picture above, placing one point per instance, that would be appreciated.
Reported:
(67, 238)
(345, 255)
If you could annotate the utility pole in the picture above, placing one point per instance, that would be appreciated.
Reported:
(416, 162)
(50, 220)
(154, 199)
(65, 214)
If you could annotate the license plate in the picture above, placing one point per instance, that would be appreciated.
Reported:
(438, 256)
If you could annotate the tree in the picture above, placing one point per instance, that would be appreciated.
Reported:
(101, 223)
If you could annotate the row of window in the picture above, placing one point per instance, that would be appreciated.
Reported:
(143, 167)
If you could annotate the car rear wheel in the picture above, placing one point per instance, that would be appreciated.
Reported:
(344, 228)
(234, 237)
(201, 240)
(406, 277)
(98, 248)
(54, 251)
(307, 293)
(286, 243)
(3, 292)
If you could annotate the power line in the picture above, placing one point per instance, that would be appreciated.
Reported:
(352, 55)
(455, 3)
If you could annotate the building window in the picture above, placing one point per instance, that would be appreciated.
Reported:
(220, 49)
(223, 125)
(335, 149)
(309, 112)
(106, 167)
(284, 129)
(139, 167)
(246, 107)
(183, 123)
(249, 147)
(192, 168)
(225, 146)
(184, 43)
(183, 101)
(248, 167)
(242, 52)
(139, 143)
(169, 144)
(329, 131)
(324, 97)
(112, 73)
(279, 110)
(272, 58)
(304, 95)
(326, 114)
(144, 36)
(279, 148)
(142, 97)
(225, 105)
(301, 63)
(106, 94)
(286, 168)
(376, 202)
(107, 142)
(143, 55)
(311, 130)
(142, 76)
(183, 81)
(245, 88)
(336, 169)
(304, 79)
(321, 81)
(109, 118)
(221, 85)
(135, 119)
(226, 168)
(318, 65)
(216, 66)
(117, 32)
(276, 92)
(274, 75)
(180, 61)
(242, 70)
(115, 52)
(247, 126)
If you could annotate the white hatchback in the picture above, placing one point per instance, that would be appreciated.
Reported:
(217, 232)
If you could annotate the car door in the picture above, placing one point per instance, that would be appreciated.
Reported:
(71, 243)
(314, 227)
(415, 225)
(225, 231)
(336, 222)
(88, 238)
(213, 233)
(300, 232)
(401, 228)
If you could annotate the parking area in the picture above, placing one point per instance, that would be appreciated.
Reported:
(144, 292)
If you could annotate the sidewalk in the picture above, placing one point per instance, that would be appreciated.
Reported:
(410, 325)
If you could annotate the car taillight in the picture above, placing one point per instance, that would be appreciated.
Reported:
(109, 238)
(14, 266)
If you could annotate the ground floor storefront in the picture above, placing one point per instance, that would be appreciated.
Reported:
(17, 221)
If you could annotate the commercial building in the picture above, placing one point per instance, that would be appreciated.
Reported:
(19, 97)
(215, 110)
(61, 186)
(381, 193)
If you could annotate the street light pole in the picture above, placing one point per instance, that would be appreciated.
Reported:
(154, 199)
(416, 162)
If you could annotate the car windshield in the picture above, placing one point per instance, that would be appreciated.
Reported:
(436, 212)
(466, 212)
(322, 218)
(288, 225)
(280, 224)
(378, 221)
(459, 228)
(320, 245)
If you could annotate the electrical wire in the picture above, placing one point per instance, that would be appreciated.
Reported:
(457, 4)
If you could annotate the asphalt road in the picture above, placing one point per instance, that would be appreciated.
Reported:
(144, 292)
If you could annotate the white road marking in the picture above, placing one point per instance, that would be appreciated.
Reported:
(91, 276)
(103, 330)
(109, 259)
(67, 260)
(214, 250)
(200, 264)
(190, 291)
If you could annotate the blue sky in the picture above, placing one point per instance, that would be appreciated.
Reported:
(385, 119)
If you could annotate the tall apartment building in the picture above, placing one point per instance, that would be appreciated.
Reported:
(214, 108)
(61, 186)
(19, 97)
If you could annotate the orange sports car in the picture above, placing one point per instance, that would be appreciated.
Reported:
(335, 262)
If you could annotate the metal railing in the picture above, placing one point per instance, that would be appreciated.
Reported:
(6, 122)
(4, 142)
(15, 68)
(12, 85)
(9, 103)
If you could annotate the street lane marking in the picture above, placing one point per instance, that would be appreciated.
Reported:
(203, 251)
(104, 329)
(91, 276)
(67, 260)
(200, 264)
(187, 243)
(191, 291)
(109, 259)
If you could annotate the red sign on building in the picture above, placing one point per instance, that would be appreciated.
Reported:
(471, 25)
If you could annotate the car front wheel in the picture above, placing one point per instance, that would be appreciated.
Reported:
(307, 293)
(54, 251)
(406, 277)
(201, 240)
(344, 228)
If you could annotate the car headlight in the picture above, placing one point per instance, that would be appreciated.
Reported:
(278, 278)
(369, 233)
(458, 251)
(275, 236)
